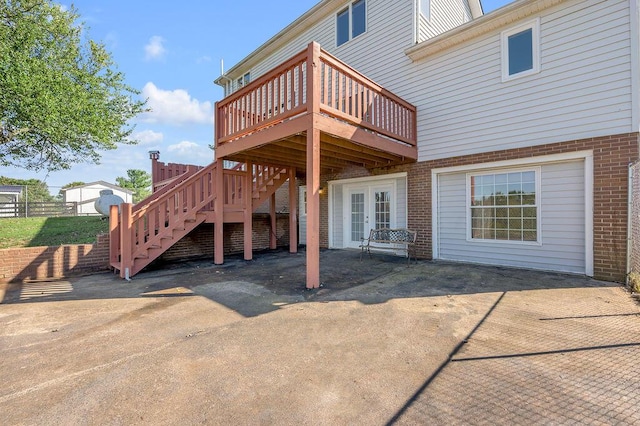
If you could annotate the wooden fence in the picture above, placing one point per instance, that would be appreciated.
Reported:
(38, 209)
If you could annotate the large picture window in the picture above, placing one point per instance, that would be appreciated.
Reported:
(520, 50)
(351, 22)
(504, 206)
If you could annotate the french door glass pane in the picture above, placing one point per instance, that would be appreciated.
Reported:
(383, 209)
(357, 216)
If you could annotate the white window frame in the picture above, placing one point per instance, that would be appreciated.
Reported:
(425, 9)
(535, 40)
(243, 81)
(537, 170)
(349, 8)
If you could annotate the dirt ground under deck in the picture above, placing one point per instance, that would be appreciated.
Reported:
(379, 343)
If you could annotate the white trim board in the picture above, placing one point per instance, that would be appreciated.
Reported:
(367, 178)
(586, 156)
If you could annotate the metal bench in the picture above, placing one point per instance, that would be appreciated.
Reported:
(395, 240)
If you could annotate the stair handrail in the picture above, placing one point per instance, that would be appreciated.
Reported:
(263, 174)
(143, 239)
(166, 194)
(175, 181)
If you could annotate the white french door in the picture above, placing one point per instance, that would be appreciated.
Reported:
(367, 207)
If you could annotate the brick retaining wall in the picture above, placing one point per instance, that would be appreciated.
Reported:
(40, 263)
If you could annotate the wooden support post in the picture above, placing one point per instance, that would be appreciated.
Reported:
(273, 242)
(293, 212)
(218, 207)
(114, 235)
(247, 183)
(313, 208)
(313, 167)
(126, 241)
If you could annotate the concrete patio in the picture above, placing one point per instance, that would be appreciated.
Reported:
(379, 343)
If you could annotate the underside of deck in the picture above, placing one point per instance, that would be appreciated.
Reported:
(342, 145)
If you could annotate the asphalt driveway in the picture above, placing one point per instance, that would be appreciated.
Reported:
(379, 343)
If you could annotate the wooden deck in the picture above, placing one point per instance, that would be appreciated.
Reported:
(314, 114)
(360, 123)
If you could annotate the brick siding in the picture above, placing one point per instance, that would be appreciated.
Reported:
(199, 242)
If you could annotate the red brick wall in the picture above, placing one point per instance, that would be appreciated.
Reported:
(36, 263)
(282, 200)
(611, 155)
(199, 243)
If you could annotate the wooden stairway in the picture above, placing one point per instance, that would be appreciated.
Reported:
(140, 234)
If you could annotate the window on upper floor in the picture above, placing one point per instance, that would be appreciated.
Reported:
(521, 50)
(243, 81)
(351, 22)
(425, 8)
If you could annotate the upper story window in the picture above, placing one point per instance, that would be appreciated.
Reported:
(521, 50)
(425, 8)
(351, 22)
(243, 81)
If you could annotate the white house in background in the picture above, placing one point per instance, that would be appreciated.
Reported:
(86, 195)
(9, 196)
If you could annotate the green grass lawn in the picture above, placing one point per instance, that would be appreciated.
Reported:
(50, 231)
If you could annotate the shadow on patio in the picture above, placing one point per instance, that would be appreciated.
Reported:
(277, 278)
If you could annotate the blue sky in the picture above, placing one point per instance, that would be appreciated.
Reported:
(171, 52)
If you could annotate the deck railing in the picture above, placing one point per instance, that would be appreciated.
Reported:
(164, 173)
(344, 94)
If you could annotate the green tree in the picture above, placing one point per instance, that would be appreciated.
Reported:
(138, 181)
(37, 190)
(62, 101)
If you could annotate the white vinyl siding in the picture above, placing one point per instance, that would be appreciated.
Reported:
(378, 53)
(562, 224)
(443, 16)
(581, 91)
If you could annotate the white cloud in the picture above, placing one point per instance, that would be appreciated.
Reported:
(175, 107)
(154, 49)
(203, 59)
(146, 137)
(192, 152)
(184, 147)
